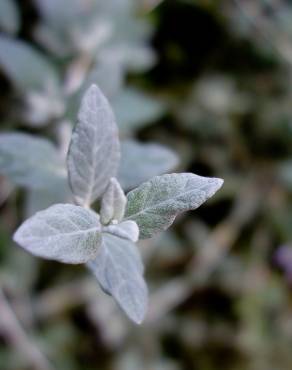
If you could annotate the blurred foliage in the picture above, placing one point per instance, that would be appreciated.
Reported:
(210, 80)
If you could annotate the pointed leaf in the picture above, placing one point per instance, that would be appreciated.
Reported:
(140, 162)
(94, 152)
(119, 270)
(113, 203)
(126, 230)
(30, 161)
(63, 232)
(155, 204)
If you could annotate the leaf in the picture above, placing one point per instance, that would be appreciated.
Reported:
(139, 162)
(94, 151)
(155, 204)
(25, 66)
(119, 270)
(30, 161)
(9, 16)
(126, 230)
(113, 203)
(63, 232)
(134, 109)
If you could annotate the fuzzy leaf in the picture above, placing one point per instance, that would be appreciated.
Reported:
(63, 232)
(113, 203)
(30, 161)
(155, 204)
(126, 230)
(119, 270)
(140, 162)
(94, 151)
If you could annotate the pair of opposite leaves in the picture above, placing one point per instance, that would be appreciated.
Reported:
(106, 241)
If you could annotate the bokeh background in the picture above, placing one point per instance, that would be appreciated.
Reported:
(211, 81)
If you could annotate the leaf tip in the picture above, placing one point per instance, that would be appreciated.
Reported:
(15, 236)
(93, 87)
(137, 316)
(95, 92)
(114, 181)
(132, 229)
(220, 183)
(138, 320)
(215, 184)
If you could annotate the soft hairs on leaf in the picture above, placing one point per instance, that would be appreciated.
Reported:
(63, 232)
(94, 151)
(155, 204)
(119, 270)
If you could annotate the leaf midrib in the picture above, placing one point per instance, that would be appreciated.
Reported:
(69, 233)
(145, 210)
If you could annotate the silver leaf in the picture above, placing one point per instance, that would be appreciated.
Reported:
(119, 270)
(94, 151)
(155, 204)
(63, 232)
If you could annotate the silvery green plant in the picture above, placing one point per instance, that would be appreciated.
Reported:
(105, 241)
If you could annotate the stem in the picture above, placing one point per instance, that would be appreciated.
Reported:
(15, 335)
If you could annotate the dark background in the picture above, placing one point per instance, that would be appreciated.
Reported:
(220, 278)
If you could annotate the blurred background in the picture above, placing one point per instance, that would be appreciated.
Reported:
(196, 85)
